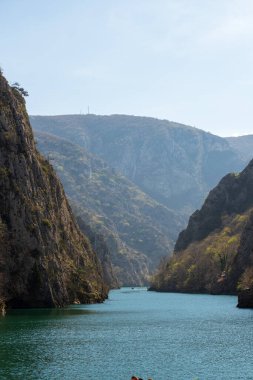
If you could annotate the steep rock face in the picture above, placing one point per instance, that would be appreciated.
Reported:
(138, 230)
(233, 195)
(175, 164)
(44, 258)
(215, 252)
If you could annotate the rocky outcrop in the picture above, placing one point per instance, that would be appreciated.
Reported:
(233, 195)
(214, 254)
(45, 260)
(245, 299)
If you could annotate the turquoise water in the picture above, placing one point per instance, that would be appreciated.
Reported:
(158, 335)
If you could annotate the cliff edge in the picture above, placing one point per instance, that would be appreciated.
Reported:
(45, 261)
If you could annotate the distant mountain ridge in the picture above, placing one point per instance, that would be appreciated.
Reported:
(137, 230)
(174, 164)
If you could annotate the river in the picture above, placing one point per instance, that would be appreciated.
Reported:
(165, 336)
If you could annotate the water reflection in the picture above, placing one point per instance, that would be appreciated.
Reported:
(48, 313)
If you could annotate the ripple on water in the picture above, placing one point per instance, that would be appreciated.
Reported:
(160, 335)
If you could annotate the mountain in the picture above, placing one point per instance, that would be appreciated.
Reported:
(136, 229)
(174, 164)
(101, 247)
(243, 145)
(45, 260)
(214, 253)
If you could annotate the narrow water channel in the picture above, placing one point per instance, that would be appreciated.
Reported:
(158, 335)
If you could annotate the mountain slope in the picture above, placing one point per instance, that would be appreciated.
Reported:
(243, 145)
(214, 253)
(44, 258)
(138, 231)
(175, 164)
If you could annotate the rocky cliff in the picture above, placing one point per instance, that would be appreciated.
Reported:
(214, 253)
(232, 196)
(44, 258)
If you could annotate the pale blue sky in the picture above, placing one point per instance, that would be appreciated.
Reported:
(189, 61)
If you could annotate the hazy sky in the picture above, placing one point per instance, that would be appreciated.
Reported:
(189, 61)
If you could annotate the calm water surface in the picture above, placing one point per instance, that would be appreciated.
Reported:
(158, 335)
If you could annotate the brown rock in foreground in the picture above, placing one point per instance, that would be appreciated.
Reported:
(45, 261)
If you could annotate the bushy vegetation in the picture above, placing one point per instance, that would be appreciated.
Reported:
(4, 172)
(16, 86)
(46, 223)
(246, 280)
(206, 266)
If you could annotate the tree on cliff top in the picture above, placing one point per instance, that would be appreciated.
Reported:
(20, 89)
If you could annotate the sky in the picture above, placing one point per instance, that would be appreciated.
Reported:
(189, 61)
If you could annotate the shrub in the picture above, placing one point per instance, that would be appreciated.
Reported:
(47, 223)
